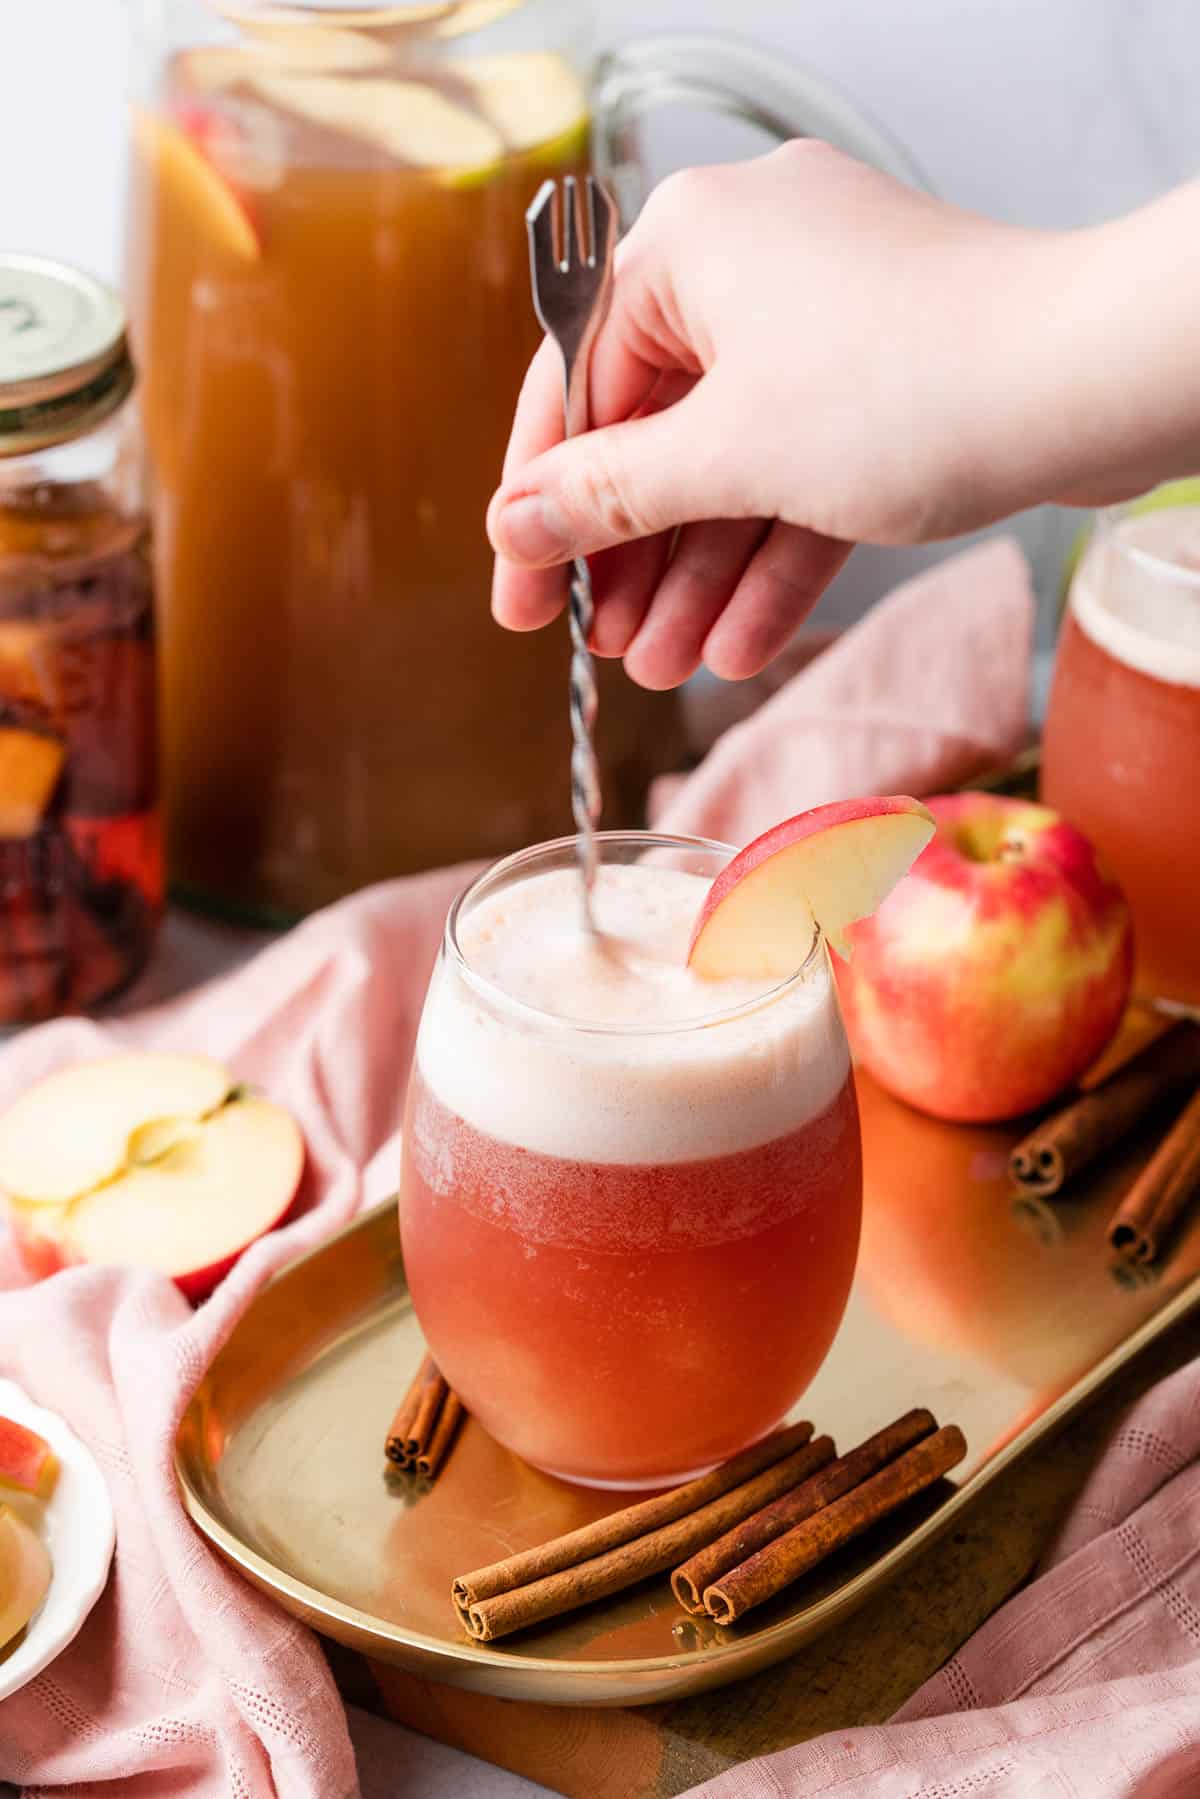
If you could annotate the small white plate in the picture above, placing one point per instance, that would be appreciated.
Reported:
(76, 1523)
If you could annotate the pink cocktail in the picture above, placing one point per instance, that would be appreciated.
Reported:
(1121, 749)
(630, 1199)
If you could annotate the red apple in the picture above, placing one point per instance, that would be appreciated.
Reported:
(148, 1161)
(997, 970)
(820, 870)
(27, 1462)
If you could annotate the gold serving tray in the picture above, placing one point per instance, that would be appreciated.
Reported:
(1001, 1317)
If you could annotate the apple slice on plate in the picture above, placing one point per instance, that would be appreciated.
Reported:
(27, 1462)
(24, 1574)
(819, 871)
(55, 1550)
(149, 1161)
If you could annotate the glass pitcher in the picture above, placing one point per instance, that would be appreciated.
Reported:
(330, 301)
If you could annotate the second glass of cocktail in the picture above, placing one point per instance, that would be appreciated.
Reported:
(1122, 739)
(631, 1196)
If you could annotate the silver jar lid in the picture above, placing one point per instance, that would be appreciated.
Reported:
(64, 358)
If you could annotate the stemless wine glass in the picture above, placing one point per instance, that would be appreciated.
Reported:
(1121, 751)
(629, 1244)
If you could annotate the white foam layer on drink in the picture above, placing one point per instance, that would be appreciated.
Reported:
(630, 1096)
(1137, 594)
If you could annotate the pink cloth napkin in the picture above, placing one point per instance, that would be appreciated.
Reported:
(186, 1682)
(1085, 1686)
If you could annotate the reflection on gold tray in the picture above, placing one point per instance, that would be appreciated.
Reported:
(1000, 1318)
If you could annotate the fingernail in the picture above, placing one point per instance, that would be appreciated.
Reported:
(532, 529)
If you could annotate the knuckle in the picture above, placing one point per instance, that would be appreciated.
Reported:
(727, 660)
(677, 198)
(801, 154)
(601, 494)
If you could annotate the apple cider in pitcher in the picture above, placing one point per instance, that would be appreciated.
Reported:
(329, 287)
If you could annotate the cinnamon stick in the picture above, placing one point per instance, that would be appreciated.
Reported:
(430, 1400)
(689, 1582)
(396, 1443)
(1063, 1144)
(1162, 1192)
(800, 1549)
(449, 1419)
(423, 1429)
(620, 1527)
(647, 1551)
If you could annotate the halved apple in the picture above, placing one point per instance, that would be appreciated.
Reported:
(148, 1161)
(190, 1214)
(821, 870)
(27, 1462)
(71, 1132)
(24, 1574)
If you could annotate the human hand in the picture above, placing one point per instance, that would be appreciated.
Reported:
(801, 353)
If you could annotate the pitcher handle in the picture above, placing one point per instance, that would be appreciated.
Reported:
(732, 77)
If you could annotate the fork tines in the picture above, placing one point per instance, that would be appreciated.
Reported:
(565, 226)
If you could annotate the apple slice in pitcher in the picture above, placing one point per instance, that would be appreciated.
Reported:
(296, 49)
(408, 121)
(534, 99)
(180, 151)
(822, 870)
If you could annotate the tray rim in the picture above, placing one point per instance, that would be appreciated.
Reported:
(717, 1663)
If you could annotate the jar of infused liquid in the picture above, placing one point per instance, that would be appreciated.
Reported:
(329, 284)
(80, 852)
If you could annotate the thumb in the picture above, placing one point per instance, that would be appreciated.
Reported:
(617, 484)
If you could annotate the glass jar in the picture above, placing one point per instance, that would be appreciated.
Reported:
(80, 850)
(330, 296)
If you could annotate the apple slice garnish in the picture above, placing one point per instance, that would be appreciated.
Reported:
(72, 1131)
(819, 871)
(24, 1574)
(176, 150)
(27, 1462)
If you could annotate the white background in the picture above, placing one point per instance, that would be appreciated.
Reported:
(1049, 112)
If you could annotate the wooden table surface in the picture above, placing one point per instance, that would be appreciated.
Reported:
(859, 1672)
